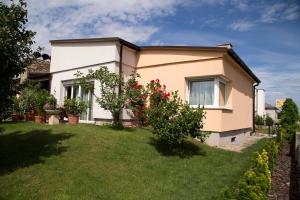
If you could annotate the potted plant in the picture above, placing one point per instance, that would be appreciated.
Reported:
(40, 97)
(27, 99)
(15, 116)
(74, 107)
(52, 111)
(50, 106)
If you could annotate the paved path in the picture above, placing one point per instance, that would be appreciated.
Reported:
(248, 142)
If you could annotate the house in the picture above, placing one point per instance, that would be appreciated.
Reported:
(214, 77)
(260, 101)
(272, 111)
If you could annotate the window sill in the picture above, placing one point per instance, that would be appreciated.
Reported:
(210, 107)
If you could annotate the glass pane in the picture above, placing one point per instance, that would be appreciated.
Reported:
(84, 97)
(222, 94)
(68, 92)
(75, 92)
(202, 92)
(90, 106)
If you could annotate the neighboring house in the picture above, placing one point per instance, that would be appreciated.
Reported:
(272, 111)
(260, 101)
(38, 71)
(213, 77)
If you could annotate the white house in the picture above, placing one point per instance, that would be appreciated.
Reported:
(69, 56)
(260, 102)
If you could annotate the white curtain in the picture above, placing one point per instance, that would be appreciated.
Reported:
(202, 92)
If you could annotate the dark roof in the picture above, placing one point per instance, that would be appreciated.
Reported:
(106, 39)
(230, 51)
(270, 107)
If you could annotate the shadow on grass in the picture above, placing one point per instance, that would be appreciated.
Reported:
(19, 149)
(187, 150)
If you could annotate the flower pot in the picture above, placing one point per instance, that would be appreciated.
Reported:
(38, 119)
(15, 117)
(28, 116)
(73, 119)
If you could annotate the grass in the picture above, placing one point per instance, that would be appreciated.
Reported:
(92, 162)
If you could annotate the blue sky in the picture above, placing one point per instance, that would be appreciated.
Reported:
(266, 34)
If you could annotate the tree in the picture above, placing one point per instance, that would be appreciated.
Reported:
(15, 48)
(269, 123)
(110, 98)
(289, 117)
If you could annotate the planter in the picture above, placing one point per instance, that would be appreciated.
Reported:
(73, 119)
(15, 117)
(38, 119)
(53, 112)
(28, 116)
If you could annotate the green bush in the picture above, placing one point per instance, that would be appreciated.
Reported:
(289, 117)
(40, 98)
(273, 149)
(172, 121)
(259, 120)
(256, 182)
(269, 121)
(75, 106)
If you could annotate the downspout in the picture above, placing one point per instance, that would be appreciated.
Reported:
(253, 107)
(120, 73)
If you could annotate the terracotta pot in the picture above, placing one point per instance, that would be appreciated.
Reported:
(38, 119)
(73, 119)
(28, 116)
(15, 117)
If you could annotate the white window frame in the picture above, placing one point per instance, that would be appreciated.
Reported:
(216, 80)
(66, 84)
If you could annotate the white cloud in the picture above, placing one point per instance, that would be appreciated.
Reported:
(242, 25)
(279, 73)
(57, 19)
(279, 11)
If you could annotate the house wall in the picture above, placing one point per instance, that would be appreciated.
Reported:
(240, 98)
(154, 64)
(68, 58)
(174, 75)
(272, 113)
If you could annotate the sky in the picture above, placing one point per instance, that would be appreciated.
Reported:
(266, 34)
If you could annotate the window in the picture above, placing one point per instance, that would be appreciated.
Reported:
(76, 91)
(222, 94)
(210, 92)
(202, 92)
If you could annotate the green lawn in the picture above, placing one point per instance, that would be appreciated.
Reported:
(93, 162)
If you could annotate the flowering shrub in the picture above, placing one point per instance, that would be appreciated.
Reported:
(172, 121)
(137, 99)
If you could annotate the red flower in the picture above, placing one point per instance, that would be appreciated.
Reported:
(152, 81)
(157, 80)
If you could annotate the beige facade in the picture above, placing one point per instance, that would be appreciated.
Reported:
(175, 68)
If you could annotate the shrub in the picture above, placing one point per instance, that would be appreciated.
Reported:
(269, 121)
(74, 106)
(137, 99)
(16, 105)
(289, 118)
(256, 182)
(259, 120)
(28, 94)
(40, 98)
(171, 120)
(50, 103)
(273, 149)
